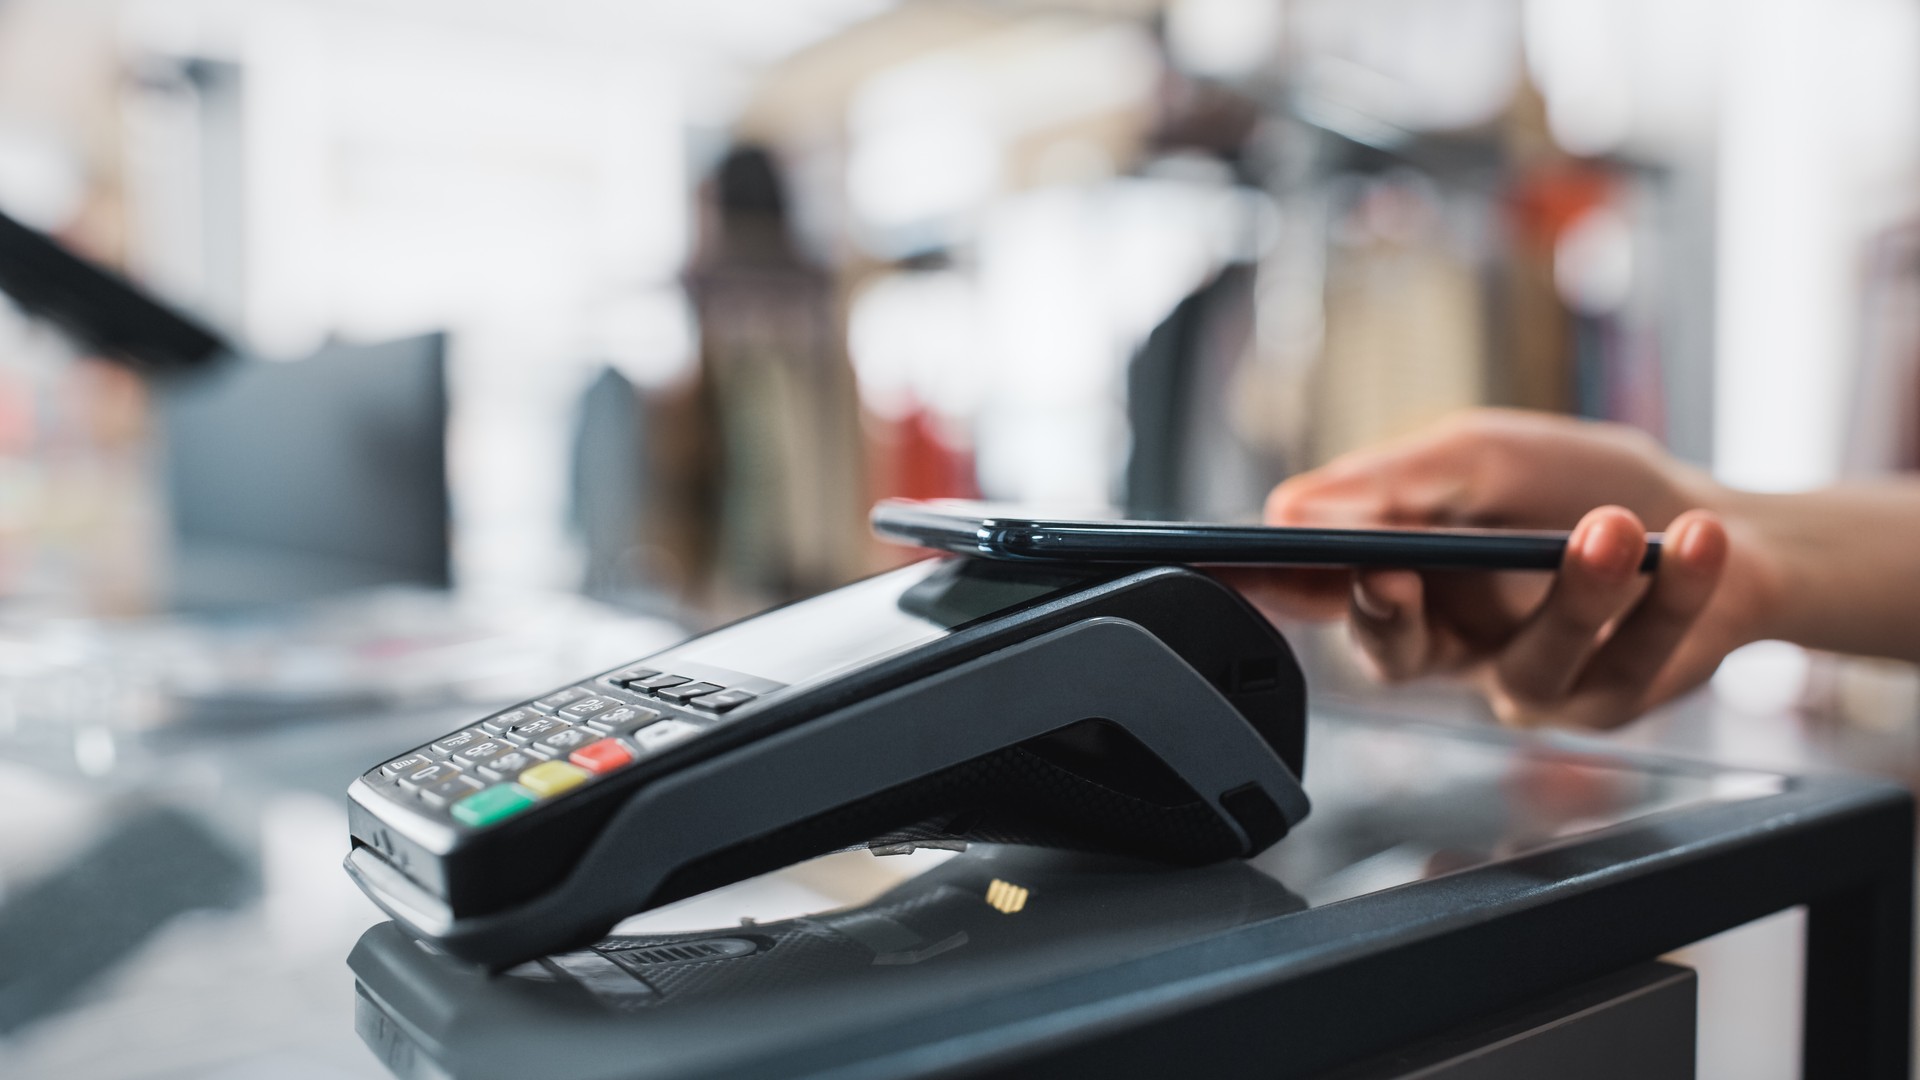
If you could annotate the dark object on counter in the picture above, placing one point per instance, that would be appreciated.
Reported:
(65, 926)
(103, 311)
(1152, 714)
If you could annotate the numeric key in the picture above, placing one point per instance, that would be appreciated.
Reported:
(587, 708)
(624, 719)
(505, 721)
(479, 753)
(461, 739)
(507, 766)
(560, 699)
(452, 789)
(535, 728)
(560, 743)
(428, 775)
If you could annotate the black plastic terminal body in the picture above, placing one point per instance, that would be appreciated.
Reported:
(1151, 713)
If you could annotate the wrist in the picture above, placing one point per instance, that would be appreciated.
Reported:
(1767, 578)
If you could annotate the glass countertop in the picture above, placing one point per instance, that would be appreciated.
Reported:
(189, 917)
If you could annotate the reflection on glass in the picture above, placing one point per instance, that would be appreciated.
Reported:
(973, 926)
(1394, 804)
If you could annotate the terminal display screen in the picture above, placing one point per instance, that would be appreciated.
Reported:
(880, 617)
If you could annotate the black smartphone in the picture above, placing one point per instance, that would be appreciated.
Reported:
(994, 531)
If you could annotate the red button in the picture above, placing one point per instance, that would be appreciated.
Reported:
(602, 757)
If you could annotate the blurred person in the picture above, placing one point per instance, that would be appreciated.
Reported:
(1597, 643)
(760, 472)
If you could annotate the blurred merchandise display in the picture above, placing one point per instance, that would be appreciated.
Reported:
(706, 292)
(81, 523)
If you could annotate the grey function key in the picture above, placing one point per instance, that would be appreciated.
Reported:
(660, 682)
(632, 675)
(689, 690)
(399, 765)
(723, 701)
(663, 734)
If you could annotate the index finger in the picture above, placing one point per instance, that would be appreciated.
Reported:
(1420, 479)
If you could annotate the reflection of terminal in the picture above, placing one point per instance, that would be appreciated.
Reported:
(950, 937)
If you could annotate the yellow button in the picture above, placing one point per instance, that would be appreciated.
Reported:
(550, 778)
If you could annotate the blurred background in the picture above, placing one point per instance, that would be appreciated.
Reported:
(500, 340)
(685, 288)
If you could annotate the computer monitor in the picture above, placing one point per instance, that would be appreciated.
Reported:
(289, 481)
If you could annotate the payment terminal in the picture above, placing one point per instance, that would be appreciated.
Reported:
(1148, 713)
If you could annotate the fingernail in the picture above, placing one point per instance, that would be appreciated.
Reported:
(1577, 540)
(1694, 541)
(1606, 558)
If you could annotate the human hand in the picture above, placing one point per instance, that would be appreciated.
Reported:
(1592, 645)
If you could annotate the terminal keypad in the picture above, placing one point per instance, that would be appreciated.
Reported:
(565, 740)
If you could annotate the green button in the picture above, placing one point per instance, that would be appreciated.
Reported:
(489, 806)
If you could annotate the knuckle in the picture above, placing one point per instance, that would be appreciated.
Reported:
(1384, 658)
(1603, 713)
(1515, 713)
(1531, 697)
(1511, 692)
(1576, 618)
